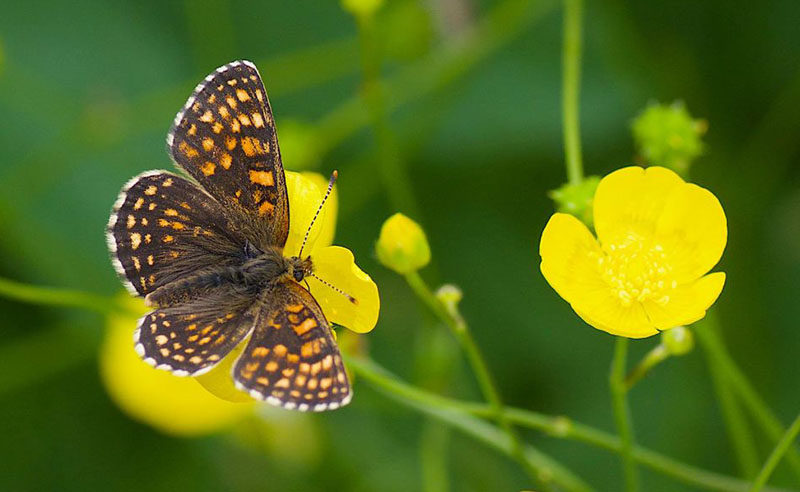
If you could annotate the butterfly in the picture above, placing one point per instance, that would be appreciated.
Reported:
(207, 254)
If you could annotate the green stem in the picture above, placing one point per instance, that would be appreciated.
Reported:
(57, 297)
(456, 415)
(736, 425)
(570, 88)
(622, 412)
(708, 334)
(434, 447)
(556, 426)
(657, 355)
(775, 457)
(460, 330)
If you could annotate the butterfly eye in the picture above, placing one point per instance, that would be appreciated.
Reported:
(298, 274)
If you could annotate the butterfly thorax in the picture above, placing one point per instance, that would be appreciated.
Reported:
(255, 272)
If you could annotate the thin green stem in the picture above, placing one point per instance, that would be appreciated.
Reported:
(657, 355)
(57, 297)
(570, 88)
(434, 447)
(460, 330)
(736, 424)
(775, 457)
(555, 426)
(622, 412)
(456, 415)
(708, 335)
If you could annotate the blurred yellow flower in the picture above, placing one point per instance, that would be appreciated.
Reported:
(402, 245)
(362, 8)
(177, 406)
(334, 264)
(657, 237)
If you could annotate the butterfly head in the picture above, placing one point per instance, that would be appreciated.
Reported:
(299, 269)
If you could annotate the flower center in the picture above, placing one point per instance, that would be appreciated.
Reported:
(637, 269)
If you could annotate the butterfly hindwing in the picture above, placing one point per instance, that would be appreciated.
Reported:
(163, 228)
(225, 139)
(191, 338)
(292, 359)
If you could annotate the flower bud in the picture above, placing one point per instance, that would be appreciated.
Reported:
(666, 135)
(678, 340)
(362, 8)
(576, 199)
(449, 295)
(402, 245)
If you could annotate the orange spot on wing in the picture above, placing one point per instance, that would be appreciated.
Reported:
(263, 178)
(304, 327)
(225, 160)
(208, 168)
(187, 150)
(258, 121)
(265, 208)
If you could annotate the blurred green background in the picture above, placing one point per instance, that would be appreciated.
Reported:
(88, 90)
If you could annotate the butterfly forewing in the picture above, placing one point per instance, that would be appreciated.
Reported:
(163, 228)
(292, 360)
(192, 337)
(225, 138)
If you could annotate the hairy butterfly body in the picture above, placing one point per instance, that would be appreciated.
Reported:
(207, 254)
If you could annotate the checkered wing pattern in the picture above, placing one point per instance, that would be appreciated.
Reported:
(164, 228)
(190, 338)
(292, 360)
(225, 138)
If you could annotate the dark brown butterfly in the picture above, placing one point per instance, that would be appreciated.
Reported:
(207, 253)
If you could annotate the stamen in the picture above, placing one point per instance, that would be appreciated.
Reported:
(334, 175)
(336, 289)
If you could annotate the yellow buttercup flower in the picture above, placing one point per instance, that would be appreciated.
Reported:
(657, 238)
(177, 406)
(334, 264)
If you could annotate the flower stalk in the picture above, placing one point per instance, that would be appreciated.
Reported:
(555, 426)
(708, 336)
(775, 457)
(570, 88)
(58, 297)
(622, 413)
(451, 317)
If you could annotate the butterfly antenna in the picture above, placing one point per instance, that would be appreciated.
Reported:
(337, 289)
(334, 175)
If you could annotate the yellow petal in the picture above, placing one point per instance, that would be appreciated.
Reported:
(605, 312)
(687, 303)
(304, 199)
(172, 404)
(328, 227)
(631, 199)
(569, 257)
(219, 381)
(693, 231)
(337, 266)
